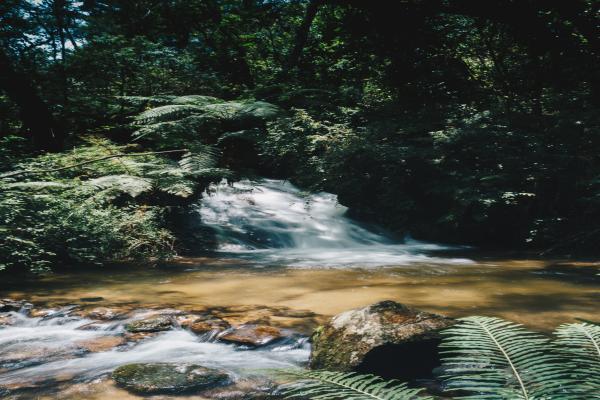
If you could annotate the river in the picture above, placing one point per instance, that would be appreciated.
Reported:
(285, 258)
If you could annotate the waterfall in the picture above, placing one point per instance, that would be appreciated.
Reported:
(274, 222)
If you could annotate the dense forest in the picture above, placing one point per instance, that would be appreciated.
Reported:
(468, 122)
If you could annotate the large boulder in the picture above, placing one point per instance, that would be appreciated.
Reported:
(167, 378)
(387, 338)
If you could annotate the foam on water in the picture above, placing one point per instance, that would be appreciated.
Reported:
(42, 349)
(272, 221)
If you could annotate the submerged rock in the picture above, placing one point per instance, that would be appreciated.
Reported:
(252, 335)
(103, 343)
(386, 338)
(151, 324)
(167, 378)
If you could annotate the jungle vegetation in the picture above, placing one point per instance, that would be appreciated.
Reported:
(457, 121)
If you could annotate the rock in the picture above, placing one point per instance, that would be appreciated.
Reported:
(167, 378)
(151, 324)
(203, 324)
(102, 343)
(7, 305)
(387, 338)
(102, 313)
(91, 299)
(6, 320)
(243, 389)
(252, 335)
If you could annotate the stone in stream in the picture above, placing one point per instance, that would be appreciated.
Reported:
(252, 335)
(102, 343)
(151, 324)
(7, 305)
(168, 378)
(387, 339)
(202, 324)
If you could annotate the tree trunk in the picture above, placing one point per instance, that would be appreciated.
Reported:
(302, 32)
(34, 113)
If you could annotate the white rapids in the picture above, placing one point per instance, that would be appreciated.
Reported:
(271, 221)
(38, 350)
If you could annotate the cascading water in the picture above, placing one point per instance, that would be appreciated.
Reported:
(272, 221)
(35, 350)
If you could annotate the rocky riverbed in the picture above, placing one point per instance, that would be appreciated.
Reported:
(64, 351)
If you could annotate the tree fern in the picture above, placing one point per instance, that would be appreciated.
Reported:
(197, 100)
(489, 358)
(167, 113)
(581, 343)
(327, 385)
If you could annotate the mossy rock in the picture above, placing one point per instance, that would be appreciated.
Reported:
(168, 378)
(152, 324)
(363, 340)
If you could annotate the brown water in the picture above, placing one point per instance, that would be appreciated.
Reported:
(538, 293)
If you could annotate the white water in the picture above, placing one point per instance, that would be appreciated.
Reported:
(272, 221)
(36, 350)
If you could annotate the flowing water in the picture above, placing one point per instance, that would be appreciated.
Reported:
(285, 258)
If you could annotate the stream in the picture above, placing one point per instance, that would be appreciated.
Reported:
(286, 259)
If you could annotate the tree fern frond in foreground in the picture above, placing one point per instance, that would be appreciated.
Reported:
(489, 358)
(581, 343)
(328, 385)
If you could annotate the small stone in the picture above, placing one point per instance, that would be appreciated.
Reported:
(151, 324)
(102, 343)
(252, 335)
(7, 305)
(6, 320)
(167, 378)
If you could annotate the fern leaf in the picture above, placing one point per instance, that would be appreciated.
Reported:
(581, 343)
(328, 385)
(495, 359)
(166, 113)
(196, 100)
(132, 185)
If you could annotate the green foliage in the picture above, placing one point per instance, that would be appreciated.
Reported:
(109, 210)
(325, 385)
(483, 358)
(502, 360)
(581, 343)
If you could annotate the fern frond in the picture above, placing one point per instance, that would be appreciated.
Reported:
(132, 185)
(167, 113)
(328, 385)
(495, 359)
(580, 342)
(195, 99)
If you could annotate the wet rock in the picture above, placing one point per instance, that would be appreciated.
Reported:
(167, 378)
(7, 305)
(386, 338)
(138, 337)
(102, 313)
(203, 324)
(102, 343)
(91, 299)
(151, 324)
(243, 390)
(6, 320)
(252, 335)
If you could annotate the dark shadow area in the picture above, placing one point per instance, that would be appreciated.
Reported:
(407, 361)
